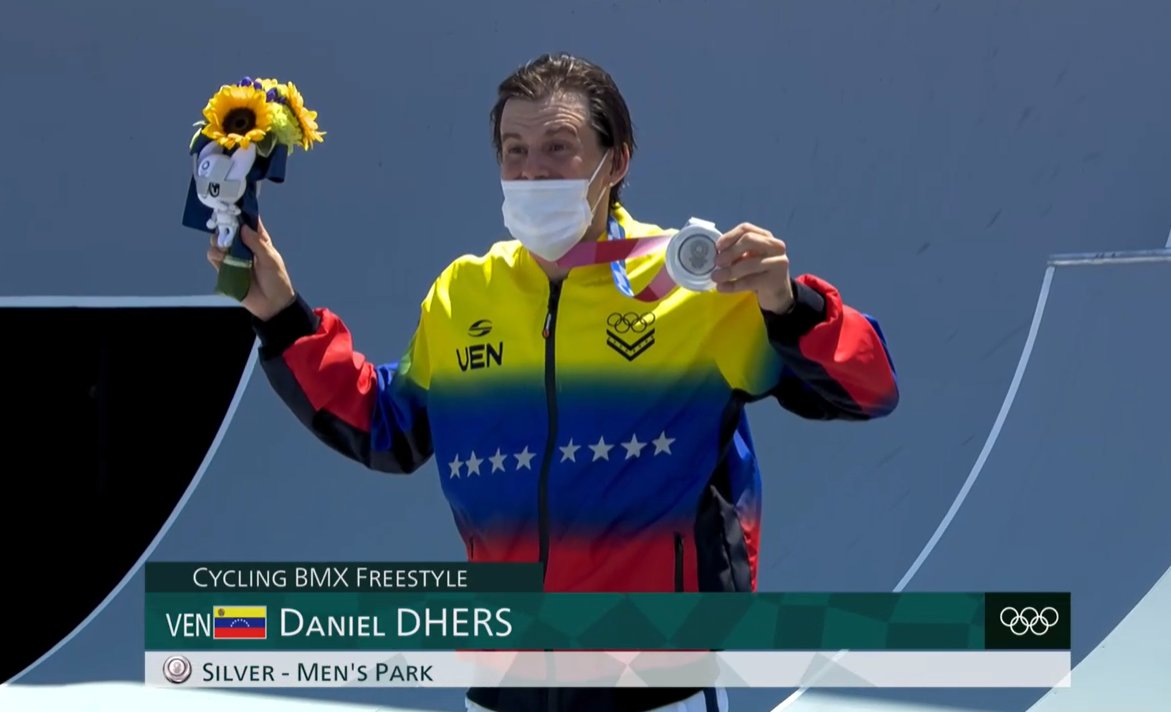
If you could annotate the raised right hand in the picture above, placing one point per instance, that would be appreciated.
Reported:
(271, 289)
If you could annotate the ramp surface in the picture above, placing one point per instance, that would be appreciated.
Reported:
(1072, 496)
(1128, 671)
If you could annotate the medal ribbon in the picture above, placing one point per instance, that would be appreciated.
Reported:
(616, 249)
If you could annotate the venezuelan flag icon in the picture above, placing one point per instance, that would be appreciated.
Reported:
(240, 622)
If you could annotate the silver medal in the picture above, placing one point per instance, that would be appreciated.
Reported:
(691, 255)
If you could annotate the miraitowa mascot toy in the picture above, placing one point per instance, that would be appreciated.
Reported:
(249, 130)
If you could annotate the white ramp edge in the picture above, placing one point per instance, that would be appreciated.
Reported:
(828, 703)
(131, 697)
(1131, 257)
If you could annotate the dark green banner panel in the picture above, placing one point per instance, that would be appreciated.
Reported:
(649, 621)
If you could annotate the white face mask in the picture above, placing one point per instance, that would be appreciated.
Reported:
(549, 216)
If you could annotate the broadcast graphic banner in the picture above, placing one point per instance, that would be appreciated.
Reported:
(262, 624)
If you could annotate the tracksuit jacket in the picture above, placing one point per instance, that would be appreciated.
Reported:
(601, 436)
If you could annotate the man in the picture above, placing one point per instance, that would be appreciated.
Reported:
(600, 435)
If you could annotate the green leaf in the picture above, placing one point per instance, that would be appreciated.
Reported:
(265, 146)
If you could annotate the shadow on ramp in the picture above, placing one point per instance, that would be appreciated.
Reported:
(1070, 494)
(113, 406)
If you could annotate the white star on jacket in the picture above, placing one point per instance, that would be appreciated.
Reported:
(569, 452)
(601, 450)
(497, 461)
(524, 459)
(662, 443)
(634, 447)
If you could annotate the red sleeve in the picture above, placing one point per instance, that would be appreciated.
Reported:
(375, 414)
(836, 361)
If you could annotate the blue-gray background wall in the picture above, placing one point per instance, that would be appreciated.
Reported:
(923, 156)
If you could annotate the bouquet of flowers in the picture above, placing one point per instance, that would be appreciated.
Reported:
(248, 131)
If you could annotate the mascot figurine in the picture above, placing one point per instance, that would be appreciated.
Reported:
(249, 130)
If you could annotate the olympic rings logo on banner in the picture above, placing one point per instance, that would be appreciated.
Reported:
(1029, 620)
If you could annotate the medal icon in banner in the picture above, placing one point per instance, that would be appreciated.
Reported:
(690, 258)
(248, 131)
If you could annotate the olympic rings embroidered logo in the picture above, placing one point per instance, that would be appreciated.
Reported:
(630, 322)
(1029, 620)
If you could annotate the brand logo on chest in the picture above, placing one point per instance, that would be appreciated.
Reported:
(484, 355)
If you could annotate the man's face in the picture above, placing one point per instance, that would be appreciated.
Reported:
(550, 138)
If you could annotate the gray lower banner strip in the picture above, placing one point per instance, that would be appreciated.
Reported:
(1038, 669)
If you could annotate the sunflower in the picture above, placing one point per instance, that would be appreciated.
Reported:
(305, 118)
(237, 115)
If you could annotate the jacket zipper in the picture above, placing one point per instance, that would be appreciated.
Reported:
(549, 333)
(679, 562)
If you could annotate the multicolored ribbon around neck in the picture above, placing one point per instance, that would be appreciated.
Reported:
(616, 249)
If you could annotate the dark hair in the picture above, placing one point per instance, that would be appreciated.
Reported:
(550, 73)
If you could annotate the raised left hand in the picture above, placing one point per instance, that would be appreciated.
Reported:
(751, 259)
